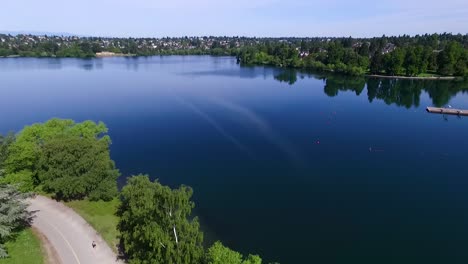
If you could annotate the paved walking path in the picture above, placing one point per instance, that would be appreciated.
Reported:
(69, 234)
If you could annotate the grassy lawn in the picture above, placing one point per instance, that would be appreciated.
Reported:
(101, 216)
(426, 74)
(25, 249)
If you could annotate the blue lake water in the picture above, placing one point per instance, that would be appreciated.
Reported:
(296, 167)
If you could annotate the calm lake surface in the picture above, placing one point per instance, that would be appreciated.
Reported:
(296, 167)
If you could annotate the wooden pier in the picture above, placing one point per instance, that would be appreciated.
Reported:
(447, 111)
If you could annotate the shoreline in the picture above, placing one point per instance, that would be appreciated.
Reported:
(412, 77)
(106, 54)
(111, 54)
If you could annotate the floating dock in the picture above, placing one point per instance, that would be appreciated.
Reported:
(447, 111)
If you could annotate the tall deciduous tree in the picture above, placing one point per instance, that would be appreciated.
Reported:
(394, 61)
(335, 53)
(377, 63)
(449, 57)
(413, 61)
(156, 224)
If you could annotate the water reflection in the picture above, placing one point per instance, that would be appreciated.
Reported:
(401, 92)
(288, 76)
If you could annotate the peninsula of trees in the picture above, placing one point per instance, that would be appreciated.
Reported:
(420, 55)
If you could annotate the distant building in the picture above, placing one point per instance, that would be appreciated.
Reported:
(388, 48)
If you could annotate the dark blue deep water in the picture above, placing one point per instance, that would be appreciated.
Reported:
(296, 167)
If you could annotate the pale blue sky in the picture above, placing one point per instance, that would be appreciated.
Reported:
(359, 18)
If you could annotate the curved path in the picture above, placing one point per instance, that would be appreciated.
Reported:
(69, 234)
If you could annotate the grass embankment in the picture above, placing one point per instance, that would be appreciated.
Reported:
(24, 249)
(101, 216)
(427, 74)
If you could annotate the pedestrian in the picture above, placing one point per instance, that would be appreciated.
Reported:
(93, 244)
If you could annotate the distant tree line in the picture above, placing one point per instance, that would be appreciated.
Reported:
(421, 55)
(71, 161)
(87, 47)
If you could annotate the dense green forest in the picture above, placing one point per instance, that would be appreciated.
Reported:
(428, 55)
(421, 55)
(71, 161)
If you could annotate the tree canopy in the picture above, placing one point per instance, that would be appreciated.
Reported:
(219, 254)
(5, 142)
(69, 159)
(403, 55)
(156, 224)
(75, 167)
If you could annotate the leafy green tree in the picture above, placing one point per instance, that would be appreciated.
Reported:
(412, 62)
(76, 51)
(219, 254)
(156, 224)
(252, 259)
(5, 142)
(377, 63)
(96, 48)
(449, 57)
(13, 214)
(23, 179)
(75, 167)
(364, 49)
(49, 47)
(394, 61)
(335, 53)
(461, 67)
(5, 52)
(304, 46)
(26, 150)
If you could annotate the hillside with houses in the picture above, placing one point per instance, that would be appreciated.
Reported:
(420, 55)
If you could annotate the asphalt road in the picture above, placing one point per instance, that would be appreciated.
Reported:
(69, 234)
